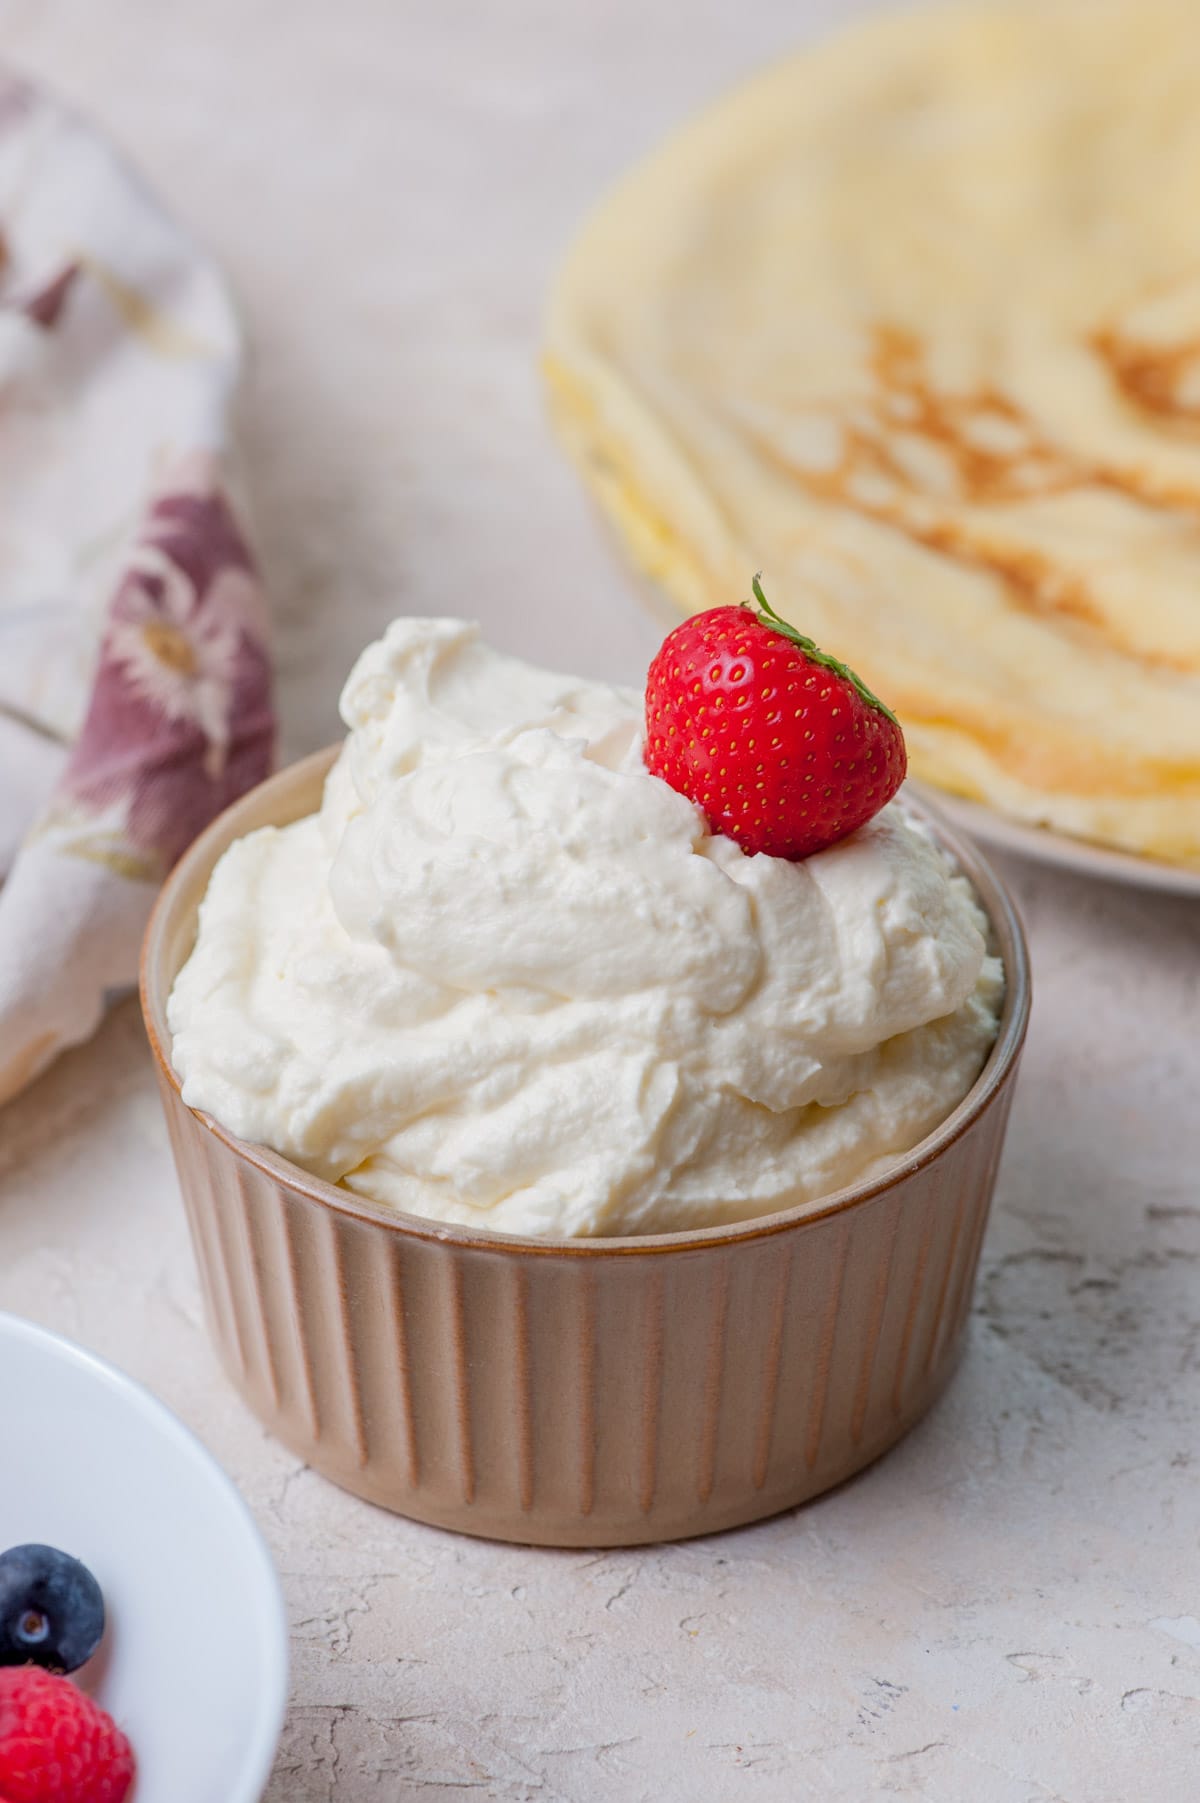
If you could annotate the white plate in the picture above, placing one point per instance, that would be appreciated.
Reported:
(194, 1665)
(1058, 848)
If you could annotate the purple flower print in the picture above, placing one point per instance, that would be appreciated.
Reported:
(44, 306)
(180, 720)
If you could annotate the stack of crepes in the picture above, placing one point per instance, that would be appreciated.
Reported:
(134, 679)
(912, 323)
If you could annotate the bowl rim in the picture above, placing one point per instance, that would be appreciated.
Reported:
(1014, 1020)
(273, 1689)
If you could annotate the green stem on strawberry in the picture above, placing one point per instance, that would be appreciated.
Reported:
(769, 617)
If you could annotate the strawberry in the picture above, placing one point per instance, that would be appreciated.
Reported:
(783, 748)
(56, 1745)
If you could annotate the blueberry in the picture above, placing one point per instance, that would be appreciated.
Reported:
(51, 1609)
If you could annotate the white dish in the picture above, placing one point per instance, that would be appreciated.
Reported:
(1049, 847)
(195, 1662)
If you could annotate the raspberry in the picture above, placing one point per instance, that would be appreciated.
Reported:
(56, 1744)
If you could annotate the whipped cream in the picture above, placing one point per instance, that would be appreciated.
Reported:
(507, 977)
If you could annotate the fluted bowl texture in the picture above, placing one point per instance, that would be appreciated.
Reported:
(581, 1392)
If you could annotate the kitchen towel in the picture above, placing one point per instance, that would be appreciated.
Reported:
(135, 683)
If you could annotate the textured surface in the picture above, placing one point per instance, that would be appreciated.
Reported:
(1006, 1609)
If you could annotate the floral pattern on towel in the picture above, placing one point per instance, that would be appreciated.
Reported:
(135, 690)
(180, 721)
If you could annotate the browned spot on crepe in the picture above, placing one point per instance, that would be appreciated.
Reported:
(1035, 583)
(1152, 375)
(906, 401)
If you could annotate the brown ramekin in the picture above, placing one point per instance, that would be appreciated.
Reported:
(580, 1392)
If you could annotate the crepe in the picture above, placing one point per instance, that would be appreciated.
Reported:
(912, 324)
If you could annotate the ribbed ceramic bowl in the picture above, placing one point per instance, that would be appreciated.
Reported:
(580, 1393)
